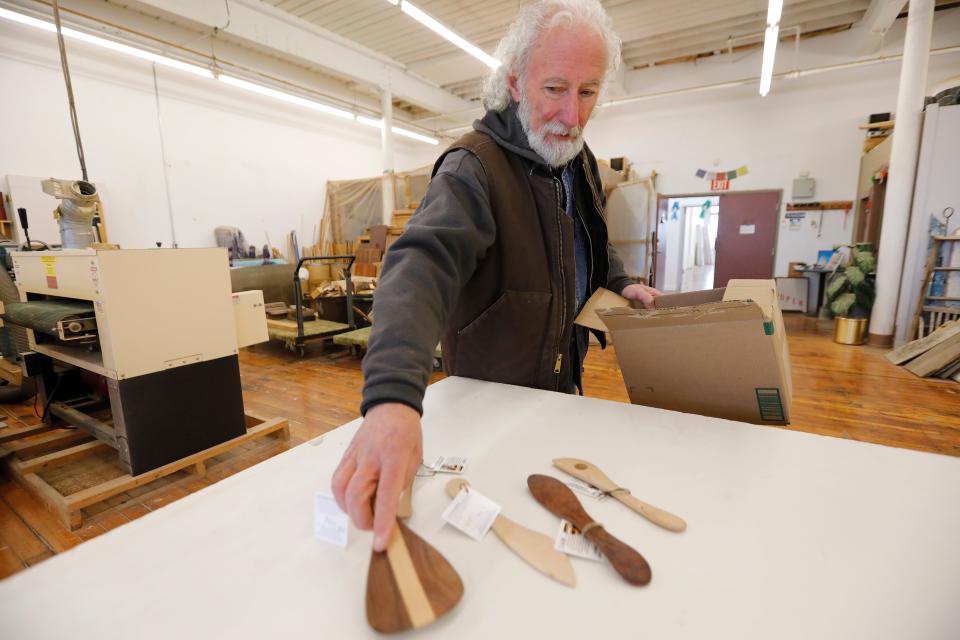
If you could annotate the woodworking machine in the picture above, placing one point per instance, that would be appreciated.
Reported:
(150, 334)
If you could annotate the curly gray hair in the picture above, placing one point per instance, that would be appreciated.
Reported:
(514, 49)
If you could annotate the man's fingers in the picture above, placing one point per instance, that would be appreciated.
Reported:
(653, 291)
(385, 512)
(358, 495)
(341, 479)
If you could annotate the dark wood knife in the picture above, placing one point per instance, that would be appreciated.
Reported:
(561, 502)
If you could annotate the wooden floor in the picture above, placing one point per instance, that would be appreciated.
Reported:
(840, 391)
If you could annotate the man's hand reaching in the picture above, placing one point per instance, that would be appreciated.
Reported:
(381, 461)
(642, 293)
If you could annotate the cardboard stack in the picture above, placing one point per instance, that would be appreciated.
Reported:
(720, 353)
(935, 356)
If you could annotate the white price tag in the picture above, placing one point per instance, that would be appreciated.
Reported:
(573, 543)
(586, 489)
(472, 512)
(330, 524)
(449, 464)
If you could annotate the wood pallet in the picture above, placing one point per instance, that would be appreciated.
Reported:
(31, 458)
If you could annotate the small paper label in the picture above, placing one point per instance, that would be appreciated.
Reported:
(585, 489)
(748, 229)
(573, 543)
(472, 512)
(449, 464)
(330, 524)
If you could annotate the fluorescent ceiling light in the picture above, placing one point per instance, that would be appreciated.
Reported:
(774, 11)
(400, 131)
(27, 20)
(414, 135)
(107, 44)
(431, 23)
(206, 73)
(286, 97)
(370, 122)
(770, 40)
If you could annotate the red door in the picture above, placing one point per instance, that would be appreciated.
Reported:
(746, 236)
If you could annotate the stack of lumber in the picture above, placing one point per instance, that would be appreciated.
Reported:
(275, 309)
(362, 285)
(935, 356)
(401, 217)
(368, 260)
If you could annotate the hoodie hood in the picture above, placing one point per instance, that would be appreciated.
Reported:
(505, 128)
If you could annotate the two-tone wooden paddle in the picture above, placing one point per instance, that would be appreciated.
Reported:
(410, 584)
(560, 501)
(536, 549)
(583, 470)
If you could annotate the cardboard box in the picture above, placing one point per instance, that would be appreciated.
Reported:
(721, 352)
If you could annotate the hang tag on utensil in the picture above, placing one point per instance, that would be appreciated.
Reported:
(330, 524)
(471, 512)
(585, 489)
(570, 541)
(449, 464)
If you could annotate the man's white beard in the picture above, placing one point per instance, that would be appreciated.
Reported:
(556, 152)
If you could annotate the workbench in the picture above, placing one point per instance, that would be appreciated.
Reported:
(791, 535)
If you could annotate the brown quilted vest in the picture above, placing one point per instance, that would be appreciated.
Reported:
(512, 320)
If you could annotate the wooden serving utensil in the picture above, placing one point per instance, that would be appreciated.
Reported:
(535, 548)
(583, 470)
(410, 584)
(561, 502)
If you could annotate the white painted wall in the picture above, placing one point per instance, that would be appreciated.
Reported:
(805, 124)
(233, 158)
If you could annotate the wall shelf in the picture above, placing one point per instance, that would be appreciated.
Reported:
(842, 205)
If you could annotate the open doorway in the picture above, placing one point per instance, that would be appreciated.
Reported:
(705, 240)
(688, 238)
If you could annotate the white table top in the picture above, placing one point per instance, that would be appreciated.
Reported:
(790, 535)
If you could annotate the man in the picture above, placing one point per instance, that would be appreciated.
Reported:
(507, 245)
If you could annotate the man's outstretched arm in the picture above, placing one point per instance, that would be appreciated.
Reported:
(423, 274)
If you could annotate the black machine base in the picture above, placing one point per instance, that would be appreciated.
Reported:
(165, 416)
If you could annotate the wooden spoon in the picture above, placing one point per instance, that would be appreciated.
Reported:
(587, 472)
(410, 584)
(560, 501)
(535, 548)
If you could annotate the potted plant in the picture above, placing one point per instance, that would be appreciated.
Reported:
(851, 293)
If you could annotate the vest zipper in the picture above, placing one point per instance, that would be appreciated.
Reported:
(563, 288)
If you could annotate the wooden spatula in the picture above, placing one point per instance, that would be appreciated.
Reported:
(560, 501)
(583, 470)
(536, 549)
(410, 584)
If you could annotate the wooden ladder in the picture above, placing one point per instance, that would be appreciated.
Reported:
(936, 314)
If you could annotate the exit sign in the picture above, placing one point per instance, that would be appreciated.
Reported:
(719, 185)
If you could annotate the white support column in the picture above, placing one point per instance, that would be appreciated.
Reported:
(903, 168)
(386, 136)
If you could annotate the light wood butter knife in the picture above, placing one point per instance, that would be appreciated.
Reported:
(536, 549)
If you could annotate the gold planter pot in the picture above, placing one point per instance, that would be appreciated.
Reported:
(849, 330)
